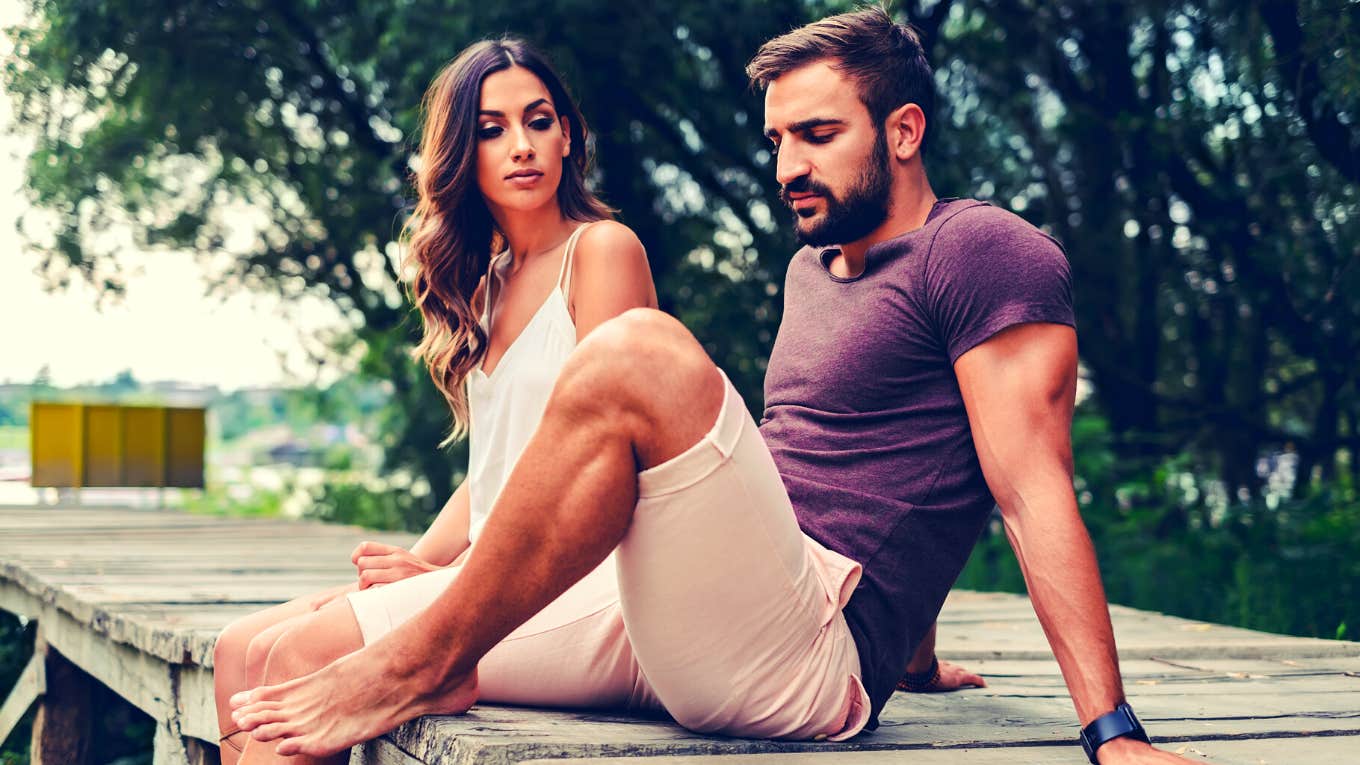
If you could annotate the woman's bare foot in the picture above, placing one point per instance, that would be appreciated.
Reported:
(350, 700)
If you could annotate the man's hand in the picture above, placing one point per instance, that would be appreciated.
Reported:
(954, 677)
(951, 677)
(1129, 751)
(381, 564)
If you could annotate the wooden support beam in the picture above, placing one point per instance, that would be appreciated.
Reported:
(61, 730)
(31, 684)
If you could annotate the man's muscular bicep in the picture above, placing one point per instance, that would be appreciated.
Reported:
(1019, 389)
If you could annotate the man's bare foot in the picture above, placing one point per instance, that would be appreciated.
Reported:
(350, 700)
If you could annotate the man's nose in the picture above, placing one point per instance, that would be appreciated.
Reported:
(789, 166)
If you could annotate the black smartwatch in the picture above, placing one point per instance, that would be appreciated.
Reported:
(1112, 725)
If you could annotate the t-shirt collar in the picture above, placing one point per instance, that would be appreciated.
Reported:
(825, 255)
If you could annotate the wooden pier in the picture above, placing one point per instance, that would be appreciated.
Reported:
(133, 599)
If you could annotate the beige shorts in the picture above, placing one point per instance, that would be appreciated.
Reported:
(715, 607)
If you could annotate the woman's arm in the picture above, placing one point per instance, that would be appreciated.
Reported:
(447, 536)
(438, 547)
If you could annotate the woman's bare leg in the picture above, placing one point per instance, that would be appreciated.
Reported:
(238, 663)
(306, 644)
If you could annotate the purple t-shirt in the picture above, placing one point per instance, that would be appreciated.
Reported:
(865, 420)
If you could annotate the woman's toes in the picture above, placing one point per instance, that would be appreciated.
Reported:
(249, 718)
(271, 731)
(290, 746)
(244, 697)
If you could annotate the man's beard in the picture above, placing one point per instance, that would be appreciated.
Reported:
(864, 208)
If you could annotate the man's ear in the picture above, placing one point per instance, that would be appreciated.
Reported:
(566, 134)
(905, 129)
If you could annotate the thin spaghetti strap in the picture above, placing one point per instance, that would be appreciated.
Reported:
(564, 278)
(491, 280)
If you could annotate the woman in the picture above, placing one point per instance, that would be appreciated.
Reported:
(503, 165)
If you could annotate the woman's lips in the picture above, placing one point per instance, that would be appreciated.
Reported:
(525, 180)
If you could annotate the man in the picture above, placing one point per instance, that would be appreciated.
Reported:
(775, 582)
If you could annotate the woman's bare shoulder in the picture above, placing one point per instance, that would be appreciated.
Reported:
(609, 239)
(610, 270)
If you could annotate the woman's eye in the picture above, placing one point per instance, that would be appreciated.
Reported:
(541, 123)
(489, 131)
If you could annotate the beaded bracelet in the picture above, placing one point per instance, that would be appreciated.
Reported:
(922, 682)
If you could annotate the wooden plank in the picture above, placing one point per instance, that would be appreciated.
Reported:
(148, 591)
(1014, 634)
(1271, 751)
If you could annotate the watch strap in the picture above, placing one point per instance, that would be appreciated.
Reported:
(1111, 725)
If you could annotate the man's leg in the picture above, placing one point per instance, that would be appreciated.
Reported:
(637, 392)
(733, 613)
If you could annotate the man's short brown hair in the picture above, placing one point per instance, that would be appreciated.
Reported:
(885, 60)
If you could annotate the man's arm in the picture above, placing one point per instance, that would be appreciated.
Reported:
(1019, 388)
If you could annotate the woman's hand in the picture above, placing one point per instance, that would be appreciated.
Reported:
(381, 564)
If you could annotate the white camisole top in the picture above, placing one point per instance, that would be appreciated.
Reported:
(505, 406)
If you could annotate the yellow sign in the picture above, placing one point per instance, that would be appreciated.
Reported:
(78, 445)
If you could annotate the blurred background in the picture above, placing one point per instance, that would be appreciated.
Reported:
(200, 202)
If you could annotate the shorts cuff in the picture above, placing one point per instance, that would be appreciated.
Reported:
(706, 455)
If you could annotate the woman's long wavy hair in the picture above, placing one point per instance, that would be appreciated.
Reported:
(451, 234)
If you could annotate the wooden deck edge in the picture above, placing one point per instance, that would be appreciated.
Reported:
(177, 694)
(25, 594)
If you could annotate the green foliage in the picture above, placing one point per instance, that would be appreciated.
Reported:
(219, 500)
(351, 400)
(382, 507)
(13, 437)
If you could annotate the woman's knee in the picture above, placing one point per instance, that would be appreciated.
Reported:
(232, 648)
(257, 653)
(289, 656)
(310, 645)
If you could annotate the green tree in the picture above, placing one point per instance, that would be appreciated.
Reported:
(1200, 162)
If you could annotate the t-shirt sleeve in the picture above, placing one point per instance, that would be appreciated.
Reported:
(989, 270)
